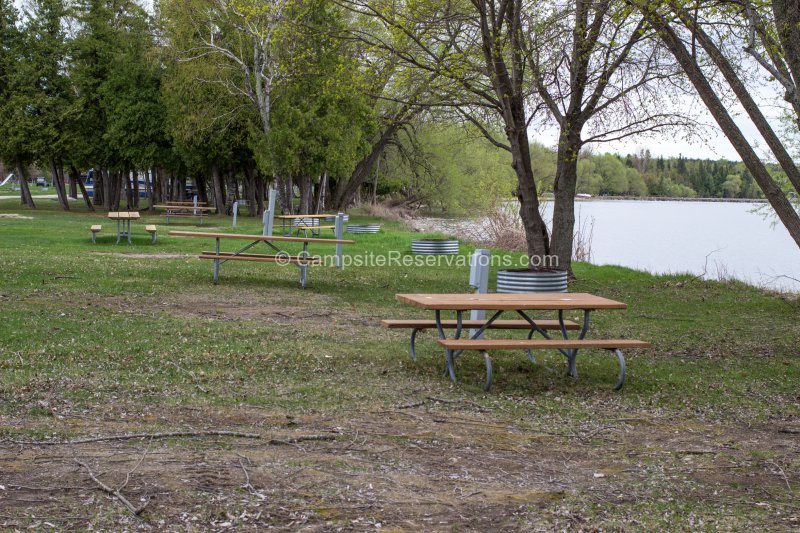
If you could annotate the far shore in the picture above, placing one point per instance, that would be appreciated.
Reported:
(672, 199)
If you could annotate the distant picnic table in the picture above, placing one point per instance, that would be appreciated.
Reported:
(185, 209)
(123, 219)
(302, 260)
(304, 223)
(520, 304)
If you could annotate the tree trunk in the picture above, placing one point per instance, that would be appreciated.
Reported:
(564, 188)
(233, 190)
(250, 189)
(135, 178)
(285, 194)
(305, 184)
(117, 185)
(97, 187)
(126, 177)
(108, 189)
(777, 199)
(219, 189)
(749, 105)
(73, 185)
(148, 189)
(259, 183)
(75, 177)
(24, 191)
(200, 187)
(345, 192)
(58, 184)
(156, 198)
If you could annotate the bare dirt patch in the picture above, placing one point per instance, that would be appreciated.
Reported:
(232, 304)
(432, 467)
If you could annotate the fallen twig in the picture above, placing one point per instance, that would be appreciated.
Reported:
(782, 473)
(303, 438)
(131, 436)
(113, 492)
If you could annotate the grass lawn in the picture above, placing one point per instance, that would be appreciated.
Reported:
(336, 429)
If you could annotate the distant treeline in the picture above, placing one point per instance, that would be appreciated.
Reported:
(642, 175)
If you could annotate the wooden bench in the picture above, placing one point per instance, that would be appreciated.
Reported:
(151, 229)
(95, 229)
(268, 258)
(484, 345)
(418, 325)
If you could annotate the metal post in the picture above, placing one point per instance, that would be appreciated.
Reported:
(338, 233)
(235, 212)
(216, 264)
(194, 201)
(269, 213)
(479, 280)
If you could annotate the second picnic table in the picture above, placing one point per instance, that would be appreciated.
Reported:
(302, 260)
(521, 304)
(304, 223)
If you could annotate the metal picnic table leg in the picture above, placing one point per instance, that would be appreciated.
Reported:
(129, 231)
(119, 230)
(572, 354)
(216, 264)
(447, 352)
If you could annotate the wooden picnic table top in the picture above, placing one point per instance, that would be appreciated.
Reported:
(509, 302)
(304, 216)
(123, 215)
(184, 203)
(256, 237)
(186, 207)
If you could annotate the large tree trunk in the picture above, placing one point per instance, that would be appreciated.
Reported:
(564, 188)
(75, 177)
(116, 185)
(24, 191)
(345, 191)
(219, 189)
(58, 183)
(777, 199)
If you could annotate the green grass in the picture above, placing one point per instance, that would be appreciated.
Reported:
(80, 328)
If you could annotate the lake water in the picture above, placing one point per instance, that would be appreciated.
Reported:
(720, 238)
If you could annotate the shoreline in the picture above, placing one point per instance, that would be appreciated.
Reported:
(673, 199)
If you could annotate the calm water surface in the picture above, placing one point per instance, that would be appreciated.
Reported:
(720, 238)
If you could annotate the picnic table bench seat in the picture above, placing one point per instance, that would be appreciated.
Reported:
(151, 229)
(268, 258)
(484, 345)
(95, 229)
(417, 325)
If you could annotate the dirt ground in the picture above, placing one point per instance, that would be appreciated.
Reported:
(438, 465)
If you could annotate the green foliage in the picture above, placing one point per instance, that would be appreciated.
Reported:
(449, 168)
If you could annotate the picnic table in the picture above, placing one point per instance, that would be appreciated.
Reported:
(123, 219)
(520, 304)
(301, 260)
(185, 209)
(304, 223)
